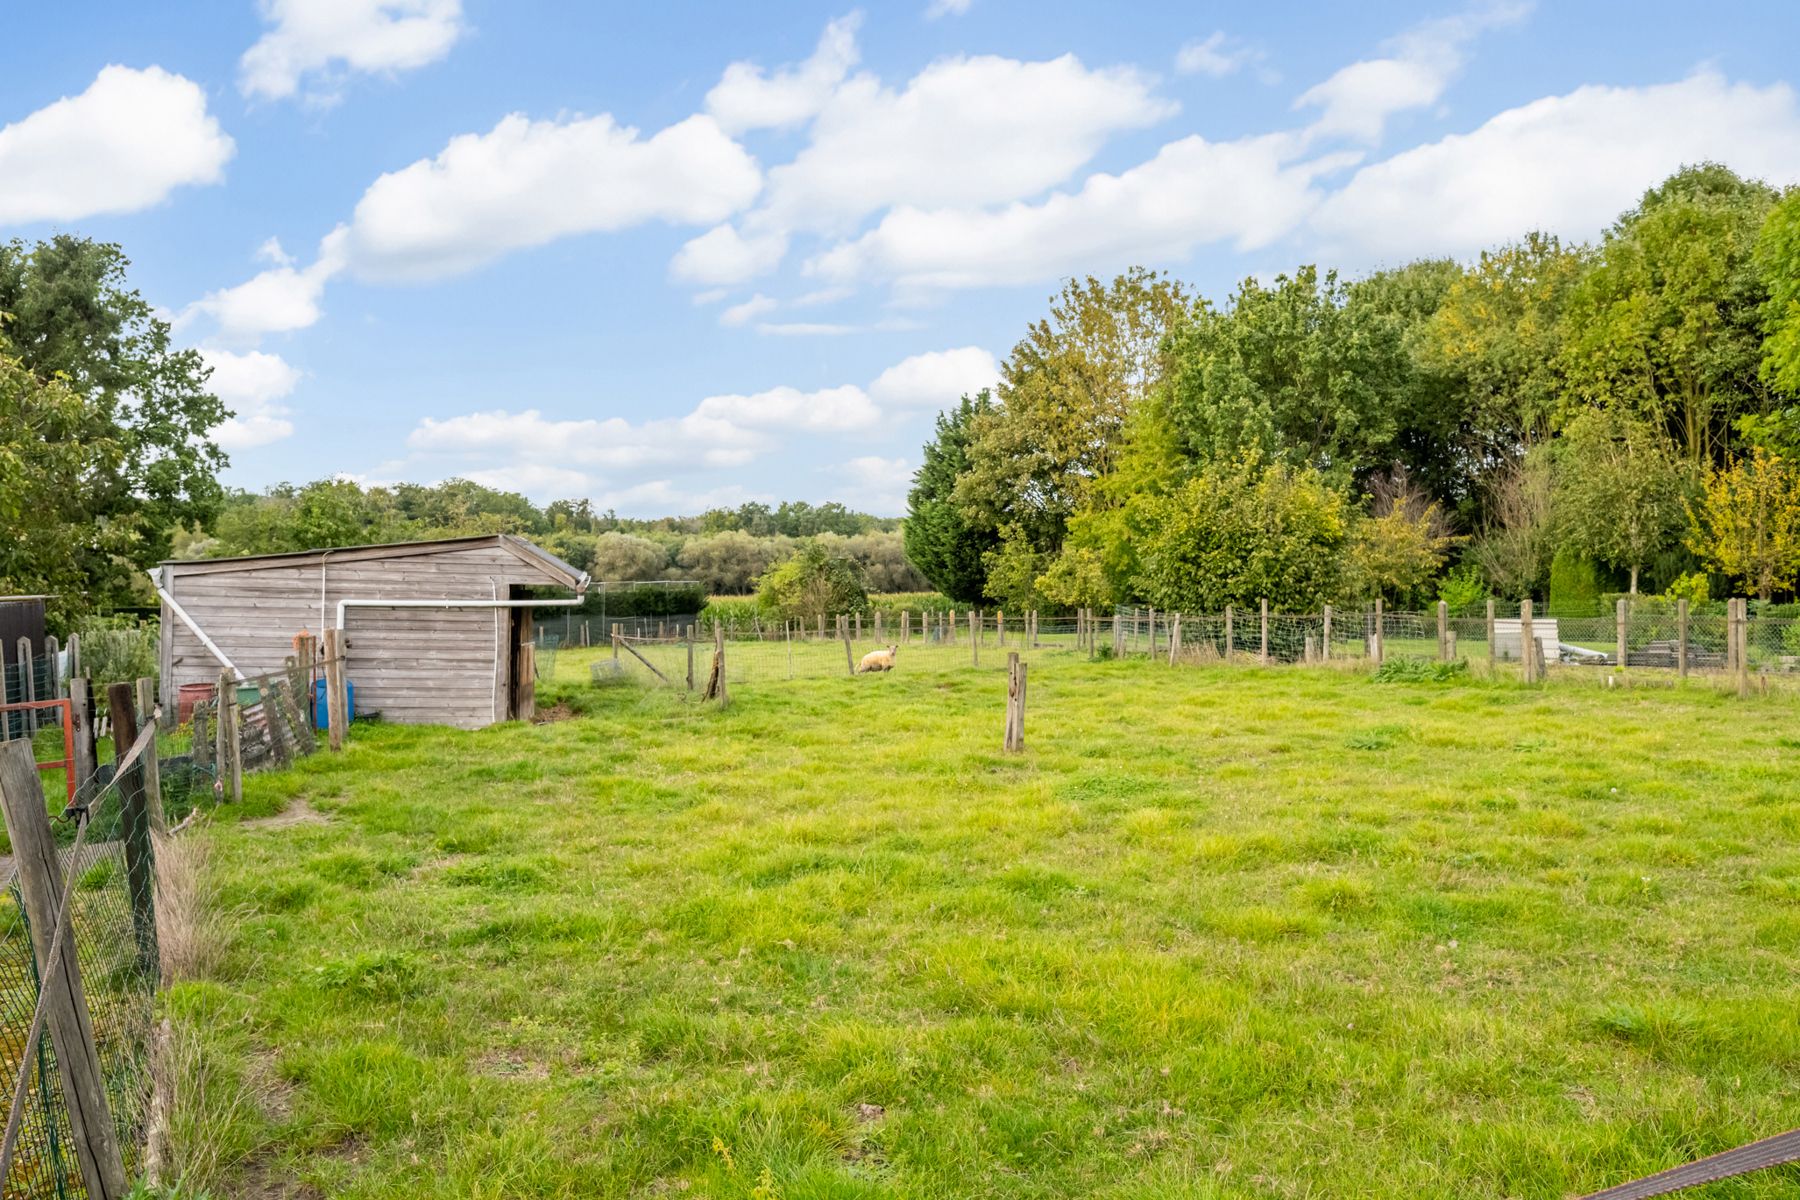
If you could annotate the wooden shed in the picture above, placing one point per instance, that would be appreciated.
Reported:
(434, 631)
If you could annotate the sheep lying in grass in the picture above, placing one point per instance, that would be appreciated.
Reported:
(878, 660)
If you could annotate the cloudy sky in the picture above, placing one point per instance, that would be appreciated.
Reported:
(667, 256)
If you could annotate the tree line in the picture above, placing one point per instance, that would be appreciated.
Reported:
(1552, 419)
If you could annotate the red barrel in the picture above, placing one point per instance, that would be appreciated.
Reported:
(190, 694)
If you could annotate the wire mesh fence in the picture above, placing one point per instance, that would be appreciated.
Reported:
(108, 870)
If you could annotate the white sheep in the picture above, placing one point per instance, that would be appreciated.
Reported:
(878, 660)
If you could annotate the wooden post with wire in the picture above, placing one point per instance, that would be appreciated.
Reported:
(849, 654)
(134, 825)
(1265, 631)
(1443, 616)
(1015, 703)
(66, 1022)
(1528, 647)
(1175, 640)
(1493, 650)
(81, 717)
(716, 688)
(1681, 638)
(1620, 616)
(1228, 646)
(1325, 638)
(1375, 635)
(151, 769)
(974, 640)
(337, 708)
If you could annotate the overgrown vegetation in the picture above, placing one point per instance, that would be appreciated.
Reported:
(1218, 932)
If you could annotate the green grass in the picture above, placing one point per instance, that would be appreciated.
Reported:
(1218, 932)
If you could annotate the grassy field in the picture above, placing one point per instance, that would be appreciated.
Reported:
(1218, 932)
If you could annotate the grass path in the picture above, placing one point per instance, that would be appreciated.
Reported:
(1236, 932)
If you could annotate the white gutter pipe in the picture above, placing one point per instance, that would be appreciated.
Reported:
(180, 612)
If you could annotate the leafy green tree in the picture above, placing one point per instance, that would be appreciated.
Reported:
(50, 438)
(622, 557)
(1778, 261)
(1746, 523)
(1077, 578)
(882, 556)
(1667, 323)
(149, 462)
(1515, 546)
(940, 540)
(1295, 373)
(1066, 391)
(1574, 585)
(1013, 568)
(1241, 531)
(1396, 550)
(1621, 495)
(813, 583)
(1497, 333)
(730, 563)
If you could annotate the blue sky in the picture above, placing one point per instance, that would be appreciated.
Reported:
(669, 256)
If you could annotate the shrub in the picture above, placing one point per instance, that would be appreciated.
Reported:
(1463, 589)
(1574, 585)
(1420, 670)
(118, 653)
(813, 583)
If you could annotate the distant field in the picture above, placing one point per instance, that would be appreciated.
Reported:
(1261, 933)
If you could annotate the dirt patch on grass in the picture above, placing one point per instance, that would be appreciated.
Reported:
(559, 711)
(508, 1065)
(298, 812)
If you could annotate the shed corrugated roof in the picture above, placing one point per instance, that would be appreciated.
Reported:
(559, 571)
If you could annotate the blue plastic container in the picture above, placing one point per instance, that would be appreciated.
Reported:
(321, 714)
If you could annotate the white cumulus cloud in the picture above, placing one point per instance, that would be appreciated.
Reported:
(279, 300)
(722, 255)
(319, 37)
(964, 131)
(935, 379)
(1216, 56)
(1358, 100)
(828, 410)
(1247, 192)
(251, 385)
(124, 144)
(747, 97)
(1566, 164)
(526, 183)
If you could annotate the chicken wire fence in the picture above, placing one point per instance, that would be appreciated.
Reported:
(112, 923)
(272, 722)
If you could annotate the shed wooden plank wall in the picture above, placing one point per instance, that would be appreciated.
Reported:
(412, 665)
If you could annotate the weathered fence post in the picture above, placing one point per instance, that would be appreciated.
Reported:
(724, 690)
(1493, 651)
(1450, 644)
(1375, 635)
(974, 639)
(337, 716)
(134, 823)
(1743, 646)
(1619, 618)
(81, 716)
(1309, 651)
(859, 627)
(27, 687)
(1265, 631)
(1681, 638)
(849, 655)
(1228, 618)
(1175, 640)
(1443, 615)
(151, 768)
(690, 656)
(66, 1020)
(53, 652)
(1325, 637)
(74, 655)
(1015, 703)
(1152, 627)
(1528, 647)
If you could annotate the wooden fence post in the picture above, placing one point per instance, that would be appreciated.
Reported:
(1015, 703)
(151, 768)
(1325, 637)
(1443, 615)
(134, 824)
(859, 627)
(974, 640)
(1528, 647)
(724, 690)
(849, 654)
(1152, 629)
(27, 687)
(1743, 646)
(1375, 635)
(66, 1020)
(1265, 631)
(1450, 644)
(1310, 650)
(1493, 651)
(74, 655)
(1175, 640)
(1000, 618)
(81, 716)
(690, 654)
(1619, 618)
(337, 714)
(1681, 638)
